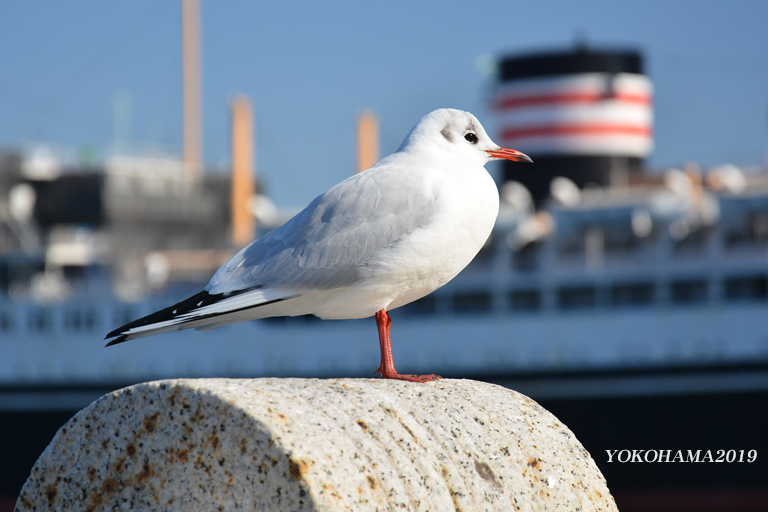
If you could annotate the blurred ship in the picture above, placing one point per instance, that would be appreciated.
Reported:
(606, 290)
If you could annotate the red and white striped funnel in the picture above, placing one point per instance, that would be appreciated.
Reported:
(583, 114)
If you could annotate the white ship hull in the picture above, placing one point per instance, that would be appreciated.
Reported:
(495, 343)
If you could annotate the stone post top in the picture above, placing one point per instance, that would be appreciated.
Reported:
(312, 444)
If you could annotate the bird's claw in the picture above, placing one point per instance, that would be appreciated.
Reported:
(410, 378)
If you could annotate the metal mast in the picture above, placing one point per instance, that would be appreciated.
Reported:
(367, 140)
(193, 123)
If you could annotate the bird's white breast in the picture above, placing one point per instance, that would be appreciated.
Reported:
(466, 205)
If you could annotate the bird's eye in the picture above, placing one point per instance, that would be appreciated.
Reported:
(471, 137)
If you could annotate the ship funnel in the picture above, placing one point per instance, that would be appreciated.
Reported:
(243, 180)
(192, 88)
(367, 140)
(584, 114)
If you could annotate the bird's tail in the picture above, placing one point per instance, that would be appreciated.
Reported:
(199, 311)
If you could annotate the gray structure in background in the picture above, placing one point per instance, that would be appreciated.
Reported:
(63, 225)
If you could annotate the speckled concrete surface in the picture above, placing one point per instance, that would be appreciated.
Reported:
(307, 444)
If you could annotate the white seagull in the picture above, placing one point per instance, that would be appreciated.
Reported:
(376, 241)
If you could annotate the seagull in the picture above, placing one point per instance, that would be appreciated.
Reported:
(376, 241)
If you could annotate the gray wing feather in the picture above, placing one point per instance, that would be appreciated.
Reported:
(324, 245)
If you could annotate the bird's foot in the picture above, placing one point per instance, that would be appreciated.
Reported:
(409, 378)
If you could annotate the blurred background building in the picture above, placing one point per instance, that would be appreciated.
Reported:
(629, 301)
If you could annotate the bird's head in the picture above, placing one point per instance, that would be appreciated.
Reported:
(456, 133)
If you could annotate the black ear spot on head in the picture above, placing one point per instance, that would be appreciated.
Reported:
(446, 132)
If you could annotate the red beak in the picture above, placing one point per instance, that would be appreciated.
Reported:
(509, 154)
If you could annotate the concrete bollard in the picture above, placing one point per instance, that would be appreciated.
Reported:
(308, 444)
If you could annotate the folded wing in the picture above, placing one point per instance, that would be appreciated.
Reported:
(321, 248)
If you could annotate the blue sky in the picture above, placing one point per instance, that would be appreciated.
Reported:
(310, 66)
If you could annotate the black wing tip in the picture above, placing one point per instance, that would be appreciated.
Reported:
(118, 331)
(185, 306)
(193, 303)
(197, 301)
(117, 340)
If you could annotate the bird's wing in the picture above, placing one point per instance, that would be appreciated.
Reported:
(321, 248)
(324, 246)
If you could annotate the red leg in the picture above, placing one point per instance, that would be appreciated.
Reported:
(387, 367)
